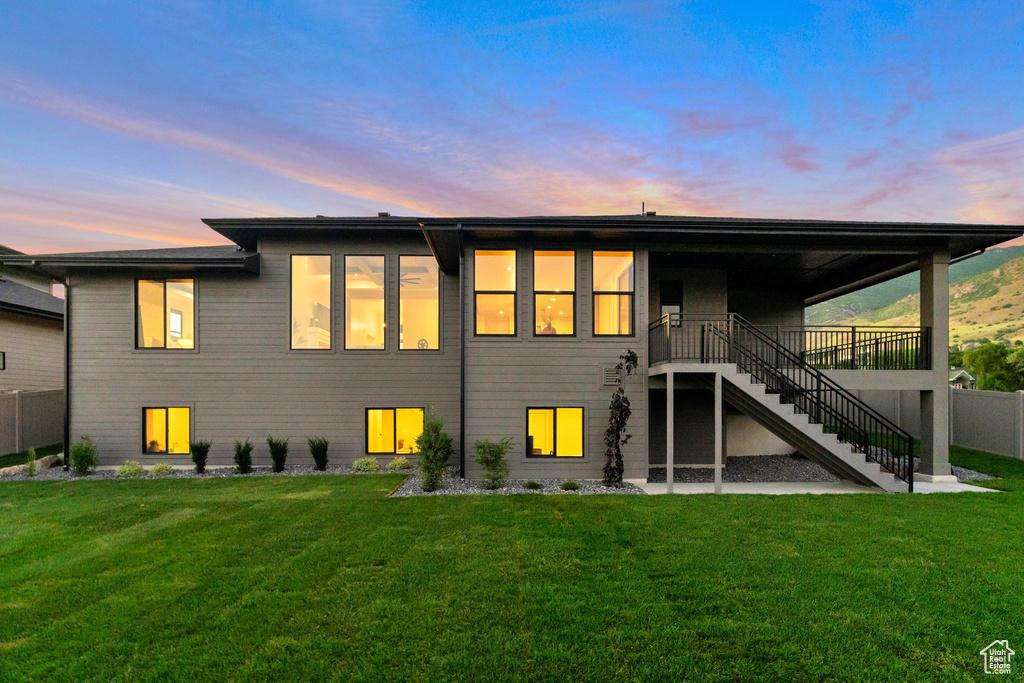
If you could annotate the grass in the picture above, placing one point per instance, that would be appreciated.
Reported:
(21, 458)
(310, 578)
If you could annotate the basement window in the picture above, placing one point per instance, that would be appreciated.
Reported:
(554, 432)
(166, 430)
(390, 431)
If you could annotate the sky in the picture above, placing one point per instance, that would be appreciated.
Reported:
(123, 124)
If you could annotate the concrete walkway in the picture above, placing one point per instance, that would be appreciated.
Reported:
(781, 488)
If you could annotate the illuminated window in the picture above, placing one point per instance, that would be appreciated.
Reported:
(311, 301)
(393, 430)
(166, 430)
(554, 292)
(613, 293)
(364, 302)
(165, 314)
(554, 432)
(494, 278)
(419, 288)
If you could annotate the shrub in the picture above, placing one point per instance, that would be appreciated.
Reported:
(570, 485)
(278, 452)
(84, 456)
(615, 436)
(243, 456)
(130, 470)
(491, 456)
(161, 469)
(366, 465)
(200, 450)
(435, 447)
(31, 462)
(399, 464)
(533, 485)
(318, 449)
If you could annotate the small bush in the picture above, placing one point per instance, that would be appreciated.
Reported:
(533, 485)
(200, 450)
(570, 485)
(435, 447)
(491, 456)
(278, 452)
(366, 465)
(84, 456)
(243, 456)
(31, 462)
(161, 469)
(130, 470)
(318, 449)
(399, 464)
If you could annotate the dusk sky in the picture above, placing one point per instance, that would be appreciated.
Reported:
(121, 125)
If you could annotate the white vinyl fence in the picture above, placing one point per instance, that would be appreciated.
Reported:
(30, 419)
(990, 421)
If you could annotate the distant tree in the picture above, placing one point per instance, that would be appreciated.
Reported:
(956, 356)
(990, 363)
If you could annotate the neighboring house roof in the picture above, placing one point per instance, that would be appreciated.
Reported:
(819, 259)
(956, 373)
(20, 298)
(224, 257)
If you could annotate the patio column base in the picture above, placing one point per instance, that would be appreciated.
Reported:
(935, 478)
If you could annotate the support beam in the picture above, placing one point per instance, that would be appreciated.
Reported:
(935, 400)
(718, 432)
(670, 430)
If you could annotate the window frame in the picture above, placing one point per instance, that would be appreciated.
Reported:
(3, 361)
(195, 315)
(291, 302)
(167, 428)
(537, 292)
(344, 310)
(554, 432)
(393, 409)
(514, 293)
(594, 293)
(440, 303)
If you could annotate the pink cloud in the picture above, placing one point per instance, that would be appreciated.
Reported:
(991, 173)
(861, 160)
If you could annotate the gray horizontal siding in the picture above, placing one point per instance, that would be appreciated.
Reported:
(35, 352)
(244, 381)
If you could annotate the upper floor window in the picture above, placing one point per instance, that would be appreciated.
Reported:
(554, 292)
(311, 301)
(364, 302)
(165, 314)
(418, 302)
(494, 282)
(613, 293)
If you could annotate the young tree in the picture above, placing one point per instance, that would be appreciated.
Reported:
(435, 447)
(615, 436)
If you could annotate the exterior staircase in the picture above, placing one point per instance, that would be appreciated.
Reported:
(775, 386)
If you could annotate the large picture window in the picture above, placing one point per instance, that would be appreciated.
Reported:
(419, 287)
(165, 314)
(311, 301)
(393, 430)
(364, 302)
(166, 430)
(613, 293)
(554, 292)
(554, 432)
(494, 283)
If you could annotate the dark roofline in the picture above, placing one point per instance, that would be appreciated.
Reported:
(31, 310)
(156, 260)
(16, 297)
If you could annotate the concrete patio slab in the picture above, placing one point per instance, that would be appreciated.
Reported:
(942, 487)
(782, 488)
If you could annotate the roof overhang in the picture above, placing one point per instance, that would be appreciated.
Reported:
(58, 265)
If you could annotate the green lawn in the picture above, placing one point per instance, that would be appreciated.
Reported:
(21, 458)
(308, 578)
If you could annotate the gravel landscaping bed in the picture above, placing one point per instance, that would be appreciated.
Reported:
(58, 473)
(451, 485)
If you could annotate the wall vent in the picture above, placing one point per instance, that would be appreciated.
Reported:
(610, 376)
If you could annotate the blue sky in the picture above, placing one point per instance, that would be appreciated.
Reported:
(122, 124)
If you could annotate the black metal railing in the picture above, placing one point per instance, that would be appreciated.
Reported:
(857, 348)
(728, 338)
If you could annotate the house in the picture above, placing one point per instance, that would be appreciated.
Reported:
(960, 378)
(349, 328)
(31, 329)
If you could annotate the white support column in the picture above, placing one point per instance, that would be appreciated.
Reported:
(670, 430)
(935, 402)
(718, 432)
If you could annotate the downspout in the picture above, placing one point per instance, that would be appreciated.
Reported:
(462, 356)
(67, 372)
